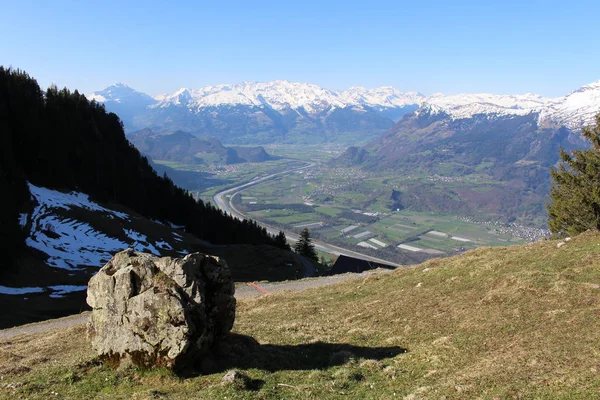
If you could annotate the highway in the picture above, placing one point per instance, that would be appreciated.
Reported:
(223, 201)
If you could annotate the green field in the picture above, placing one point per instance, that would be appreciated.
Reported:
(347, 208)
(337, 198)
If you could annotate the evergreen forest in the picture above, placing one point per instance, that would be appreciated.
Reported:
(60, 140)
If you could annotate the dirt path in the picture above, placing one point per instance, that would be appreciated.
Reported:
(36, 327)
(246, 291)
(243, 291)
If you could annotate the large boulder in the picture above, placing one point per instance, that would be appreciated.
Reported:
(159, 311)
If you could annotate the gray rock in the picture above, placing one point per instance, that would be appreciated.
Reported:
(236, 379)
(159, 311)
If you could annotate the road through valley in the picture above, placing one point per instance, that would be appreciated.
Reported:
(223, 200)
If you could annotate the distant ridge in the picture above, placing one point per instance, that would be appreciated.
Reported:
(283, 111)
(183, 147)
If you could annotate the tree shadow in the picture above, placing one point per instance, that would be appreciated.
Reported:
(244, 352)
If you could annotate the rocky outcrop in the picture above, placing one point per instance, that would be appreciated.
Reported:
(159, 311)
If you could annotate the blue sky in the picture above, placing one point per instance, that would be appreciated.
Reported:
(546, 47)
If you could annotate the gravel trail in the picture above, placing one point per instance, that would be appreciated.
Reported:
(246, 291)
(243, 291)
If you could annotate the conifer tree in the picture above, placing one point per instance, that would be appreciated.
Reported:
(304, 246)
(281, 241)
(574, 205)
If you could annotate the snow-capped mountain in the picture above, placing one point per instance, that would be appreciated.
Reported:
(260, 112)
(121, 93)
(467, 105)
(385, 96)
(278, 95)
(123, 101)
(578, 108)
(575, 110)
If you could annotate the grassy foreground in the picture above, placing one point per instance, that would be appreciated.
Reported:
(515, 322)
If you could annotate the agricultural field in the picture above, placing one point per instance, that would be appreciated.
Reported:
(312, 153)
(211, 179)
(289, 202)
(364, 210)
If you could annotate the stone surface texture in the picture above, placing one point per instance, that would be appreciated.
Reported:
(149, 310)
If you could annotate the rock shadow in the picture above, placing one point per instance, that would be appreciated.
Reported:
(244, 352)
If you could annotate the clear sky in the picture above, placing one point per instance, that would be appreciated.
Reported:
(451, 46)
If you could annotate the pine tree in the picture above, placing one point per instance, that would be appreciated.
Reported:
(574, 205)
(304, 246)
(281, 241)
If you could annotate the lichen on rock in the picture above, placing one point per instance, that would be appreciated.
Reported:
(165, 311)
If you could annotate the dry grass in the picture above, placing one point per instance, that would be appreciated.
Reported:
(518, 322)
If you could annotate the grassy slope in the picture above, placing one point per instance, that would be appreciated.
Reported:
(517, 322)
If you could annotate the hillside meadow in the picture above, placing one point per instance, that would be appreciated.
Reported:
(493, 323)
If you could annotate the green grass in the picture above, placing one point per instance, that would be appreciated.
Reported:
(494, 323)
(295, 219)
(286, 189)
(328, 210)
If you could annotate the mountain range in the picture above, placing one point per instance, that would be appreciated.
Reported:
(291, 112)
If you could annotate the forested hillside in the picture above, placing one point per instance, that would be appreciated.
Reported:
(58, 139)
(185, 148)
(487, 166)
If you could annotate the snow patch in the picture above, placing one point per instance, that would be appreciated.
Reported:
(59, 291)
(71, 244)
(23, 219)
(141, 242)
(55, 199)
(164, 245)
(21, 290)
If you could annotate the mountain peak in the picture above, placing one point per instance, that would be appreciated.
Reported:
(579, 107)
(590, 86)
(284, 96)
(120, 85)
(118, 92)
(181, 91)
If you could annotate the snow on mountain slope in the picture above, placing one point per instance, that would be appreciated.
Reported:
(385, 96)
(467, 105)
(574, 110)
(121, 93)
(279, 95)
(180, 97)
(522, 101)
(73, 230)
(579, 107)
